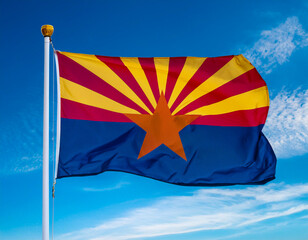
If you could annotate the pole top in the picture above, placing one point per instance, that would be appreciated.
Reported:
(47, 30)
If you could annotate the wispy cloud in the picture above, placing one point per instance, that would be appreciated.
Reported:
(21, 141)
(117, 186)
(205, 209)
(287, 123)
(276, 45)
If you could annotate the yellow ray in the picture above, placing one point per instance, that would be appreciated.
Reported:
(237, 66)
(249, 100)
(135, 68)
(162, 68)
(192, 64)
(77, 93)
(100, 69)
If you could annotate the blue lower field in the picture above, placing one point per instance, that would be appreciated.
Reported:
(215, 155)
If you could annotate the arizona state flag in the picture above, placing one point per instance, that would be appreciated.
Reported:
(181, 120)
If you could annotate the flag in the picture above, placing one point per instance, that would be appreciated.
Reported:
(181, 120)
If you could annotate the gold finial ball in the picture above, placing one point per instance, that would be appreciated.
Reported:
(47, 30)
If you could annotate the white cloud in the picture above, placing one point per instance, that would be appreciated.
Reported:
(205, 209)
(117, 186)
(276, 45)
(287, 123)
(21, 141)
(28, 163)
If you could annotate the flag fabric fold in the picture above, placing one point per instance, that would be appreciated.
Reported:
(182, 120)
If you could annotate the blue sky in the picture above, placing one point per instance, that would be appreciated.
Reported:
(273, 35)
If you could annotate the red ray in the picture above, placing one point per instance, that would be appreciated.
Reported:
(244, 118)
(74, 110)
(74, 72)
(244, 83)
(149, 69)
(206, 70)
(176, 65)
(118, 67)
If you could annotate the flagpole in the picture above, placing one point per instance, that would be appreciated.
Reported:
(47, 31)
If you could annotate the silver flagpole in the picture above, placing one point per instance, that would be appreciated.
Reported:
(47, 31)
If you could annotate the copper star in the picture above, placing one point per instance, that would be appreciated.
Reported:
(162, 128)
